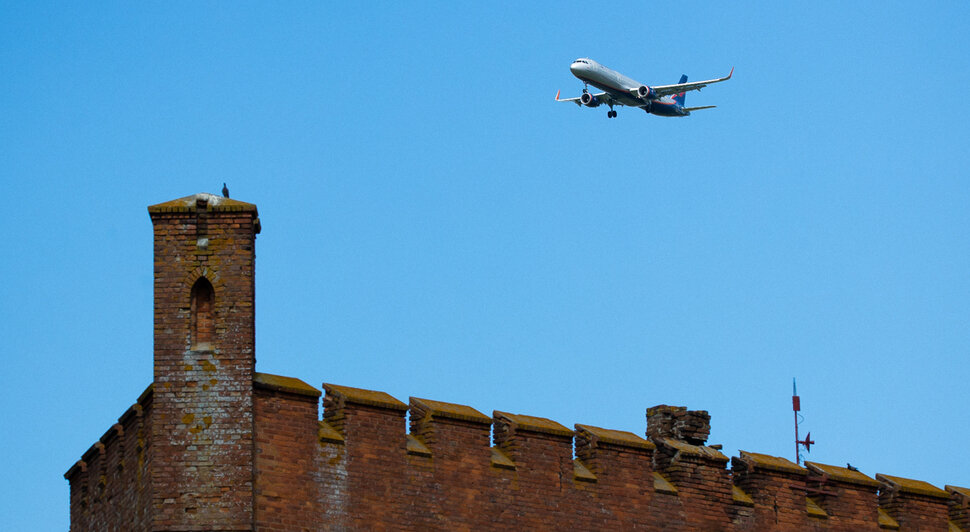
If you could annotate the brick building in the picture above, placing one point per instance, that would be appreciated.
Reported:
(213, 445)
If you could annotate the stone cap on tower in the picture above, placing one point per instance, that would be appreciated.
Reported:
(207, 202)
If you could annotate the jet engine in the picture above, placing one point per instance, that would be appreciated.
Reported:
(646, 93)
(589, 100)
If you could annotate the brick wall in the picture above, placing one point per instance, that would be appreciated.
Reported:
(286, 448)
(914, 504)
(213, 445)
(444, 475)
(959, 506)
(360, 469)
(844, 495)
(110, 485)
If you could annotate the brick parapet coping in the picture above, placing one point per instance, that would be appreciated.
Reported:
(818, 485)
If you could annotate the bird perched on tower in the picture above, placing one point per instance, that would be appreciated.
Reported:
(225, 191)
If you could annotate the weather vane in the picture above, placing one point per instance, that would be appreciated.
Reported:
(807, 442)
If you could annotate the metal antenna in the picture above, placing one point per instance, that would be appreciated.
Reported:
(796, 404)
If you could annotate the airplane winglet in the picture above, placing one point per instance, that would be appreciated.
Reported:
(731, 74)
(557, 95)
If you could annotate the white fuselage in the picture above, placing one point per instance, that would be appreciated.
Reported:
(609, 80)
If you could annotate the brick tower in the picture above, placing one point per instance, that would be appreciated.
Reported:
(202, 407)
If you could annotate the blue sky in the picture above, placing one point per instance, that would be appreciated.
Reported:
(435, 225)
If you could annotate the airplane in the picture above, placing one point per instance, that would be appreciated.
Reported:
(661, 100)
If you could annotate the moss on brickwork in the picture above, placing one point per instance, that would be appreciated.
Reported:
(441, 409)
(581, 473)
(773, 463)
(842, 474)
(740, 497)
(417, 447)
(534, 424)
(328, 434)
(500, 459)
(616, 437)
(916, 487)
(662, 485)
(813, 509)
(699, 451)
(284, 384)
(365, 397)
(886, 522)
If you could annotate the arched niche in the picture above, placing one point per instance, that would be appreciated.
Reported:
(203, 314)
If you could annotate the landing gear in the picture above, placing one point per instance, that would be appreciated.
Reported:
(611, 114)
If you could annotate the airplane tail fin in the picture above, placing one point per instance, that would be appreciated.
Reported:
(679, 98)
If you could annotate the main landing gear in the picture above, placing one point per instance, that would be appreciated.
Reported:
(611, 114)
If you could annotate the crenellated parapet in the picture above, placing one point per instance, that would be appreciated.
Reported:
(285, 428)
(614, 453)
(538, 474)
(109, 484)
(778, 488)
(532, 441)
(845, 495)
(959, 506)
(448, 446)
(705, 498)
(914, 504)
(372, 461)
(445, 428)
(622, 463)
(452, 467)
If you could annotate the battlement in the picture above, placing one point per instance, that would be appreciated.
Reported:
(451, 466)
(214, 445)
(110, 483)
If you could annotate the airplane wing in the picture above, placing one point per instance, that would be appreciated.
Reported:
(689, 109)
(602, 96)
(667, 90)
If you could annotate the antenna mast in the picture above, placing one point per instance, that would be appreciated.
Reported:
(797, 406)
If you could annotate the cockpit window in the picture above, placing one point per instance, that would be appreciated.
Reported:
(585, 62)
